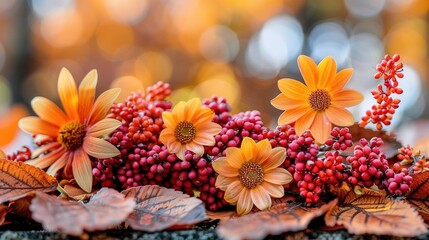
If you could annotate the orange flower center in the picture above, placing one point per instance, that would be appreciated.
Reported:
(319, 100)
(185, 132)
(251, 174)
(71, 135)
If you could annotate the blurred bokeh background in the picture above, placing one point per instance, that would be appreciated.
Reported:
(232, 48)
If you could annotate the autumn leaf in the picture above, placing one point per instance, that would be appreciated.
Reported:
(159, 208)
(76, 193)
(419, 194)
(373, 213)
(3, 212)
(18, 179)
(106, 209)
(283, 216)
(21, 206)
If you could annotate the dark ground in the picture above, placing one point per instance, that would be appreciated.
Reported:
(29, 230)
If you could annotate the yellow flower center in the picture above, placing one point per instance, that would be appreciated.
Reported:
(71, 135)
(251, 174)
(319, 100)
(185, 132)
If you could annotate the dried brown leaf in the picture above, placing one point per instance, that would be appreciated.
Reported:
(419, 194)
(373, 213)
(106, 209)
(76, 193)
(21, 206)
(221, 215)
(159, 208)
(284, 216)
(18, 179)
(3, 212)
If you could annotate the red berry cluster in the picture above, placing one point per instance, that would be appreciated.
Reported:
(405, 155)
(221, 108)
(332, 169)
(368, 164)
(145, 160)
(397, 183)
(390, 69)
(340, 139)
(241, 125)
(282, 136)
(21, 155)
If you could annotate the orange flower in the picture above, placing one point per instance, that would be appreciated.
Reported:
(251, 174)
(189, 127)
(76, 133)
(2, 155)
(321, 102)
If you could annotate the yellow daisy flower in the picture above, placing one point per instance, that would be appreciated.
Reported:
(251, 174)
(321, 102)
(76, 133)
(189, 127)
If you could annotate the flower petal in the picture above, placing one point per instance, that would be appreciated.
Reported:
(48, 111)
(260, 197)
(57, 165)
(99, 148)
(35, 125)
(304, 122)
(167, 136)
(235, 157)
(347, 98)
(282, 102)
(293, 89)
(44, 148)
(48, 159)
(278, 176)
(326, 69)
(102, 105)
(340, 80)
(339, 116)
(276, 158)
(248, 146)
(321, 127)
(103, 127)
(191, 107)
(223, 182)
(209, 129)
(292, 115)
(87, 94)
(233, 191)
(178, 112)
(196, 148)
(68, 94)
(275, 191)
(167, 118)
(222, 167)
(244, 204)
(204, 115)
(82, 170)
(2, 155)
(262, 151)
(308, 69)
(181, 153)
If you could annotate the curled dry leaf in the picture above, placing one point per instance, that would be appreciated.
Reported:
(18, 179)
(76, 193)
(283, 216)
(106, 209)
(3, 212)
(21, 206)
(159, 208)
(373, 213)
(419, 194)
